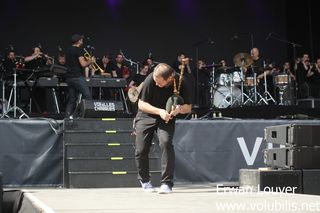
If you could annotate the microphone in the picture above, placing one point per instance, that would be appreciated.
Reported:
(11, 48)
(59, 49)
(268, 36)
(234, 37)
(210, 41)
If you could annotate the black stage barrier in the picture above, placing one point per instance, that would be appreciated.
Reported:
(31, 151)
(215, 150)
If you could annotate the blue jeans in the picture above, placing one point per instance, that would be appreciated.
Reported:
(75, 87)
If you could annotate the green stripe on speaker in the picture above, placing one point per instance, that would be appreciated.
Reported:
(119, 173)
(114, 144)
(116, 158)
(111, 131)
(108, 119)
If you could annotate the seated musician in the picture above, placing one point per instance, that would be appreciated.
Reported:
(105, 69)
(37, 59)
(262, 69)
(7, 70)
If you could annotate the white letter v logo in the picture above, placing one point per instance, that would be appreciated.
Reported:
(249, 158)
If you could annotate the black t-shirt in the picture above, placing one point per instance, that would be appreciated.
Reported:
(8, 66)
(36, 63)
(157, 96)
(72, 62)
(315, 78)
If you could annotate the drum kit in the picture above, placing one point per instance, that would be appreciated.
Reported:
(233, 87)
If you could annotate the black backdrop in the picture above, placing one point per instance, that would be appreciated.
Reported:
(140, 27)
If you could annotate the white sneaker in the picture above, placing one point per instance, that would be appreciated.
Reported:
(165, 189)
(147, 187)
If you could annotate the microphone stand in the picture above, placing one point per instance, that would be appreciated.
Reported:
(130, 61)
(196, 46)
(14, 108)
(294, 46)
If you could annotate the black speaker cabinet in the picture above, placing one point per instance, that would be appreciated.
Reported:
(288, 181)
(101, 109)
(293, 157)
(293, 135)
(311, 183)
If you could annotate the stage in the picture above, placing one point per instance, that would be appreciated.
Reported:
(185, 198)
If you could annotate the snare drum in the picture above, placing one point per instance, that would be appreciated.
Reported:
(223, 79)
(236, 77)
(282, 79)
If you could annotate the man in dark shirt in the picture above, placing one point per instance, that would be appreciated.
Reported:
(203, 94)
(152, 117)
(301, 77)
(313, 76)
(75, 62)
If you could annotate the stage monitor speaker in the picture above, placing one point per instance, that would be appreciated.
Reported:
(293, 134)
(101, 108)
(271, 180)
(293, 157)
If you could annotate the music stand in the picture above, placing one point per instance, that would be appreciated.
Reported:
(14, 108)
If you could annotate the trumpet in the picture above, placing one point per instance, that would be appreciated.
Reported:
(94, 64)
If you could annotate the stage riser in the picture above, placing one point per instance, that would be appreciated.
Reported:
(105, 180)
(271, 179)
(310, 103)
(97, 150)
(98, 124)
(293, 158)
(94, 149)
(101, 165)
(293, 135)
(96, 137)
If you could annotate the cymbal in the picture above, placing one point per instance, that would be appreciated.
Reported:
(224, 68)
(242, 60)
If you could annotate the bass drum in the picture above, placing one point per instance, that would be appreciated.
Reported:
(223, 97)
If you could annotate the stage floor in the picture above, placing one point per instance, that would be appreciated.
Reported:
(185, 198)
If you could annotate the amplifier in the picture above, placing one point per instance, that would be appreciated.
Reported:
(293, 135)
(101, 108)
(293, 157)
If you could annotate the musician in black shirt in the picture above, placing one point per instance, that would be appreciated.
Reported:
(313, 76)
(76, 62)
(152, 117)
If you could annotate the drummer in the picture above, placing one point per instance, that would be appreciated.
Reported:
(222, 69)
(262, 69)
